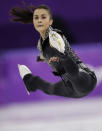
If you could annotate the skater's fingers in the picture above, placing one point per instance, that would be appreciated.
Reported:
(50, 60)
(53, 59)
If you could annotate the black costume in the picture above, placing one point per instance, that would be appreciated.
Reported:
(77, 79)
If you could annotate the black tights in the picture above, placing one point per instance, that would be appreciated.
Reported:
(75, 84)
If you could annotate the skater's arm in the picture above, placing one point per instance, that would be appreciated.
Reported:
(65, 52)
(61, 44)
(58, 56)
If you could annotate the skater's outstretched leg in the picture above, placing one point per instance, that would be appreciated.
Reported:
(35, 82)
(76, 89)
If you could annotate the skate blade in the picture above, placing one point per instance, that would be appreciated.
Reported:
(26, 89)
(28, 92)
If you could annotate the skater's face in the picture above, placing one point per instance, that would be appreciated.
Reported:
(41, 20)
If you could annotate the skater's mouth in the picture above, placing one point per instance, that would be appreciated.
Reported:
(40, 25)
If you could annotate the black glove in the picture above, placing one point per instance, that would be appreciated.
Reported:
(38, 58)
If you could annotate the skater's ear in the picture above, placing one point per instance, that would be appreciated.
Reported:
(51, 22)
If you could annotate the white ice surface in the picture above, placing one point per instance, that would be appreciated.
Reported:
(70, 115)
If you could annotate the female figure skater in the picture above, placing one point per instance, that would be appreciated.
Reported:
(77, 79)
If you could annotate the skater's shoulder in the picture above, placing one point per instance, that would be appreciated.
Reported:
(56, 30)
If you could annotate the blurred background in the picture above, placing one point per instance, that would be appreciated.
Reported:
(81, 22)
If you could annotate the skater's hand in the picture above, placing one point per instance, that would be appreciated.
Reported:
(39, 59)
(42, 58)
(53, 59)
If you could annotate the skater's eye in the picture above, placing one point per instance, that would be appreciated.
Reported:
(43, 17)
(36, 18)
